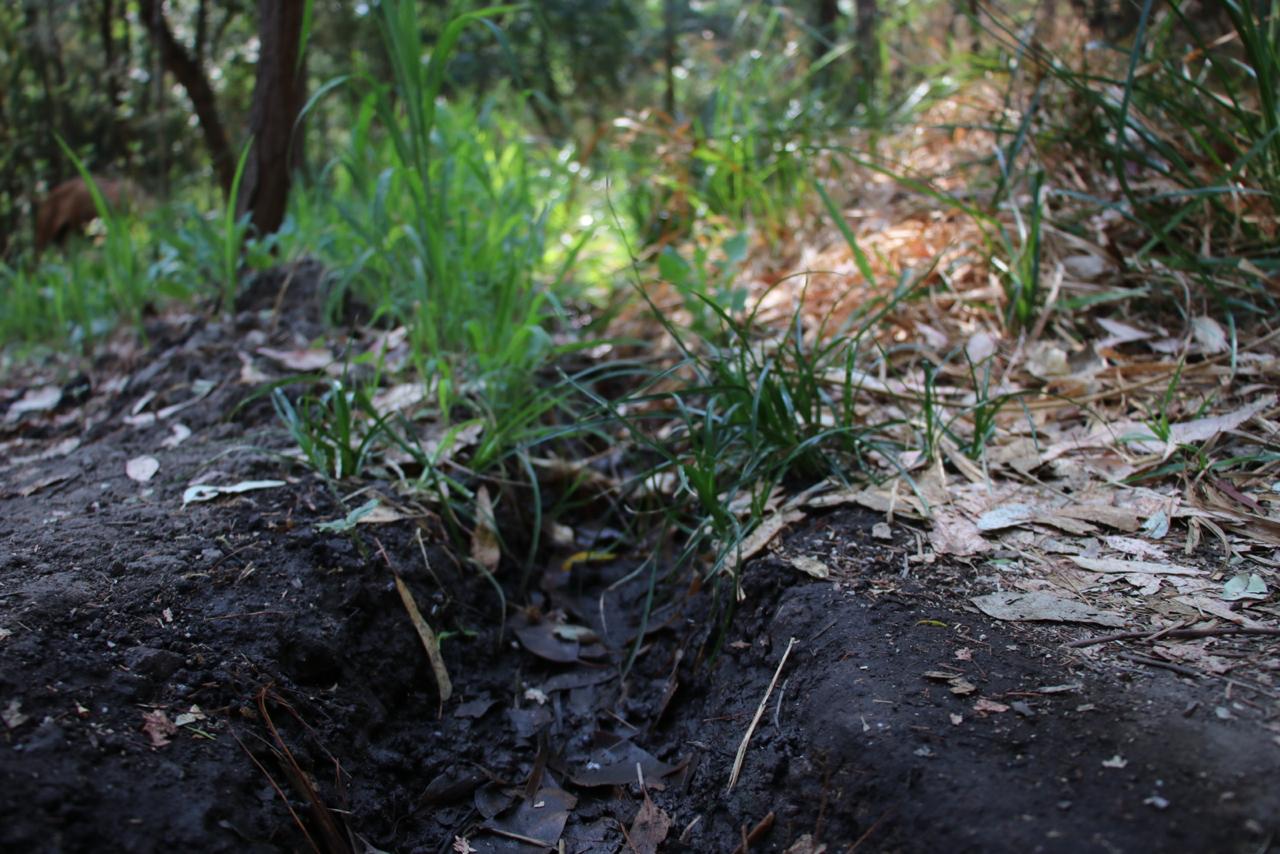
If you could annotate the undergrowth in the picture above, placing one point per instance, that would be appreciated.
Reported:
(508, 257)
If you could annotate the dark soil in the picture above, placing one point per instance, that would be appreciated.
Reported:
(318, 723)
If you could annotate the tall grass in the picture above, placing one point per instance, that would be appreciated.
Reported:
(447, 221)
(1174, 133)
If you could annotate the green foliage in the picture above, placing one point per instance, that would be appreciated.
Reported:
(1182, 122)
(446, 223)
(335, 430)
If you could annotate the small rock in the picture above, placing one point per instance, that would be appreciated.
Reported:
(156, 663)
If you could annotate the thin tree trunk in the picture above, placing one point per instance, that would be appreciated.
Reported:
(184, 67)
(278, 96)
(669, 55)
(826, 26)
(202, 31)
(868, 58)
(51, 114)
(111, 79)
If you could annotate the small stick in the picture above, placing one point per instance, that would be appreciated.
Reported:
(428, 638)
(1164, 665)
(1267, 631)
(751, 837)
(746, 738)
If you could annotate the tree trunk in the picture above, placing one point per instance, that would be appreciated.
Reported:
(669, 56)
(868, 46)
(111, 79)
(826, 24)
(278, 96)
(184, 67)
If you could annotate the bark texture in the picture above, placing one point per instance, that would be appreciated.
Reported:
(278, 97)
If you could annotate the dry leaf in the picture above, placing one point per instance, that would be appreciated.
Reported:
(985, 706)
(208, 492)
(428, 638)
(298, 360)
(1086, 268)
(35, 400)
(649, 828)
(12, 715)
(180, 433)
(764, 533)
(1038, 606)
(485, 550)
(811, 566)
(142, 469)
(1115, 565)
(158, 727)
(1209, 334)
(980, 347)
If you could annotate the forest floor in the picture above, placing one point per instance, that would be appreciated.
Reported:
(227, 675)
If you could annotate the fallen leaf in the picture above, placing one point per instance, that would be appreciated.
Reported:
(1115, 762)
(649, 828)
(616, 766)
(806, 845)
(476, 708)
(1209, 334)
(158, 727)
(12, 715)
(298, 360)
(429, 641)
(398, 397)
(346, 523)
(953, 534)
(980, 347)
(811, 566)
(1218, 609)
(541, 640)
(764, 533)
(179, 434)
(1200, 430)
(985, 706)
(35, 400)
(540, 818)
(193, 715)
(1007, 516)
(882, 531)
(1133, 546)
(208, 492)
(1045, 360)
(142, 469)
(1043, 607)
(1085, 267)
(1244, 585)
(249, 372)
(49, 480)
(1115, 565)
(485, 550)
(1119, 333)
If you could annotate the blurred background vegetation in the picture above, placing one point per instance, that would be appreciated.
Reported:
(115, 78)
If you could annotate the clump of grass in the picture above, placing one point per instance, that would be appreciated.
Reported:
(448, 220)
(1174, 135)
